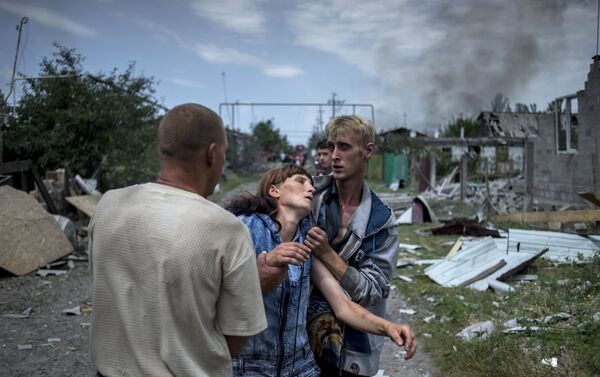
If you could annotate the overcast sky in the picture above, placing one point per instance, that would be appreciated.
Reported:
(429, 59)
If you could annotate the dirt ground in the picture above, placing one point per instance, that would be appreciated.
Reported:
(50, 343)
(60, 343)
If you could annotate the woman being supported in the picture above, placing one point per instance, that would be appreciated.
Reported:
(277, 219)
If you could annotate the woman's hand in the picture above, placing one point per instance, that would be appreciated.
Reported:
(317, 240)
(287, 253)
(402, 335)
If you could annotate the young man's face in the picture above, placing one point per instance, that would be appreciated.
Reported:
(324, 158)
(348, 157)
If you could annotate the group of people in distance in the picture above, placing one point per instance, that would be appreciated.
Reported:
(289, 281)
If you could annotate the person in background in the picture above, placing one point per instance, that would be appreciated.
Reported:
(357, 240)
(278, 222)
(323, 158)
(175, 287)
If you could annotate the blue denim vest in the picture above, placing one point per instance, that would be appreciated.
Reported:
(283, 348)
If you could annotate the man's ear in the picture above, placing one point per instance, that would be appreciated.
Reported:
(369, 150)
(274, 192)
(211, 154)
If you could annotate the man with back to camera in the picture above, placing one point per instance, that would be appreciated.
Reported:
(361, 253)
(323, 158)
(175, 286)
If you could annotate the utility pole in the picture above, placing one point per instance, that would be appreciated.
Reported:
(333, 105)
(14, 71)
(225, 95)
(320, 119)
(404, 119)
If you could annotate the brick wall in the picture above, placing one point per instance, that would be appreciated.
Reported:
(559, 176)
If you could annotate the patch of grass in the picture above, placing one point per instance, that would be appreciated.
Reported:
(573, 289)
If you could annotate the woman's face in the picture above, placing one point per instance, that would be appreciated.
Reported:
(296, 192)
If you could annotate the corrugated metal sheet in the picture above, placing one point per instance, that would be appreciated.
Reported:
(562, 247)
(515, 262)
(467, 264)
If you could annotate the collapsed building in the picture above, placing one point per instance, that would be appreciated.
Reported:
(563, 159)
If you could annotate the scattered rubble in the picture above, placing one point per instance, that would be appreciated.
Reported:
(72, 311)
(45, 272)
(489, 262)
(479, 330)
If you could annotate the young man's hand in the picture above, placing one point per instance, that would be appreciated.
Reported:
(317, 240)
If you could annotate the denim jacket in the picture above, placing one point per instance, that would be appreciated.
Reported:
(371, 253)
(282, 349)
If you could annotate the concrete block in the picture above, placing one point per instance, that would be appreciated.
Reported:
(30, 236)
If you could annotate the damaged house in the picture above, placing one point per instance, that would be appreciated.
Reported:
(563, 159)
(506, 158)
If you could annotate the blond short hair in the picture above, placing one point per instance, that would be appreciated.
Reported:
(356, 124)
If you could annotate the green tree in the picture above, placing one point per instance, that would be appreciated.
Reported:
(470, 125)
(268, 138)
(86, 121)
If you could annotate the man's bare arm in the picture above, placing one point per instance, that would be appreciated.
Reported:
(235, 344)
(273, 265)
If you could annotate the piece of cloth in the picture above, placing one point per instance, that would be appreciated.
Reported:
(283, 349)
(172, 273)
(371, 251)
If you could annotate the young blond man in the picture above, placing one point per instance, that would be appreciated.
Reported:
(361, 251)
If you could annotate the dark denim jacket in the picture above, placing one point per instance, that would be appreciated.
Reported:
(282, 349)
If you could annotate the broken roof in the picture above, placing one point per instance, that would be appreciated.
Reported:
(508, 124)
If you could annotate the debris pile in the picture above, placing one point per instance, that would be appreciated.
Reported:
(497, 196)
(489, 262)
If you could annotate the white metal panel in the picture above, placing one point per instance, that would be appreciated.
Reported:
(467, 264)
(562, 247)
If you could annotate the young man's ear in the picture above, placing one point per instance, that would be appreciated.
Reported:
(369, 150)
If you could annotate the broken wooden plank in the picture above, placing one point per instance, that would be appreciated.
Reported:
(42, 187)
(85, 203)
(590, 197)
(457, 245)
(483, 271)
(515, 262)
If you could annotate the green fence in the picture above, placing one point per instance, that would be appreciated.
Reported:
(395, 168)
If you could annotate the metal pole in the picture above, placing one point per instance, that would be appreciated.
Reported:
(12, 80)
(332, 105)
